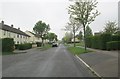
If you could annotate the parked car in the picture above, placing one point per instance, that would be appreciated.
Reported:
(54, 44)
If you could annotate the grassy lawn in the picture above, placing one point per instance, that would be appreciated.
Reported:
(80, 44)
(77, 50)
(45, 47)
(7, 53)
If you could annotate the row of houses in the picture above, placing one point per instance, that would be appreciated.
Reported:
(19, 36)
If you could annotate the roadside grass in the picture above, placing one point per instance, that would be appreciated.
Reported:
(77, 50)
(8, 53)
(45, 47)
(80, 44)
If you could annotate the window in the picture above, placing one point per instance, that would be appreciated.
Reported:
(21, 36)
(17, 42)
(9, 34)
(4, 32)
(17, 35)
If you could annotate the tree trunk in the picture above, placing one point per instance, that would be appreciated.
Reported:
(42, 42)
(74, 35)
(84, 37)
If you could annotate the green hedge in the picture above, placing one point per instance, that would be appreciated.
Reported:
(98, 41)
(113, 45)
(104, 38)
(24, 46)
(39, 44)
(115, 38)
(7, 44)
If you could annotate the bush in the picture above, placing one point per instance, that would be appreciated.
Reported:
(7, 44)
(115, 38)
(39, 44)
(104, 38)
(113, 45)
(24, 46)
(89, 42)
(16, 46)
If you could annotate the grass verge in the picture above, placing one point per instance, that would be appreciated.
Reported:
(45, 47)
(7, 53)
(77, 50)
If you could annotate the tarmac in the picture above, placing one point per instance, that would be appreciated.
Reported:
(105, 63)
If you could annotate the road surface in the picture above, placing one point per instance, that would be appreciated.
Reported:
(54, 62)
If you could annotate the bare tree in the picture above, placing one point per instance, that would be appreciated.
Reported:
(85, 12)
(72, 26)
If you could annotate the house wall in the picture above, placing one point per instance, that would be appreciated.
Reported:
(18, 39)
(33, 38)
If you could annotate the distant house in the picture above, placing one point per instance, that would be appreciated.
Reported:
(7, 31)
(33, 37)
(76, 40)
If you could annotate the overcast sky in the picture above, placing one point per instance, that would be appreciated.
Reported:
(25, 13)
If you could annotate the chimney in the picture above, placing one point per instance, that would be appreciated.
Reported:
(12, 25)
(2, 23)
(18, 28)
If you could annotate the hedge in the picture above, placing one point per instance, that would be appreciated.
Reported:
(24, 46)
(39, 44)
(113, 45)
(7, 44)
(115, 38)
(104, 38)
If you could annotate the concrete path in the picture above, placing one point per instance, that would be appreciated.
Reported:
(54, 62)
(105, 63)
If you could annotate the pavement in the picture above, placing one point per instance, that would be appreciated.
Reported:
(54, 62)
(105, 63)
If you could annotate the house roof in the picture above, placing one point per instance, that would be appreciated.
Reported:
(33, 34)
(12, 29)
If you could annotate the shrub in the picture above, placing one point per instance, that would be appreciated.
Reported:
(88, 42)
(24, 46)
(39, 44)
(115, 38)
(104, 38)
(7, 44)
(113, 45)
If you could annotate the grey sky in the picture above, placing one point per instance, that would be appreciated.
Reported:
(24, 14)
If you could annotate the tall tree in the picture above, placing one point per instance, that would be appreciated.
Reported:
(52, 37)
(85, 12)
(41, 29)
(88, 32)
(111, 27)
(73, 26)
(80, 35)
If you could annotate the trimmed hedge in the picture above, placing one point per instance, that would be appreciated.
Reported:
(113, 45)
(115, 38)
(24, 46)
(98, 41)
(7, 44)
(39, 44)
(104, 38)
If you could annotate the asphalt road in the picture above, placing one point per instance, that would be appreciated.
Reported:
(54, 62)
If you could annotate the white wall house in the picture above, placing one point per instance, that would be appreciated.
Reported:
(7, 31)
(33, 37)
(76, 40)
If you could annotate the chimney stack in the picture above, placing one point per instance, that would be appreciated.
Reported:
(12, 25)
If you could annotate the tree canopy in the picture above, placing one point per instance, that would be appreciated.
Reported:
(41, 29)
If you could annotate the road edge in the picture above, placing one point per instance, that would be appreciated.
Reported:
(92, 70)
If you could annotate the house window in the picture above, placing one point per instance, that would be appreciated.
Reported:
(4, 32)
(9, 34)
(17, 42)
(17, 35)
(21, 36)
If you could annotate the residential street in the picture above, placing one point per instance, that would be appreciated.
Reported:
(54, 62)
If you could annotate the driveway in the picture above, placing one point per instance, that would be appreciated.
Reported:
(54, 62)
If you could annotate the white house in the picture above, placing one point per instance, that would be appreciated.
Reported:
(7, 31)
(33, 37)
